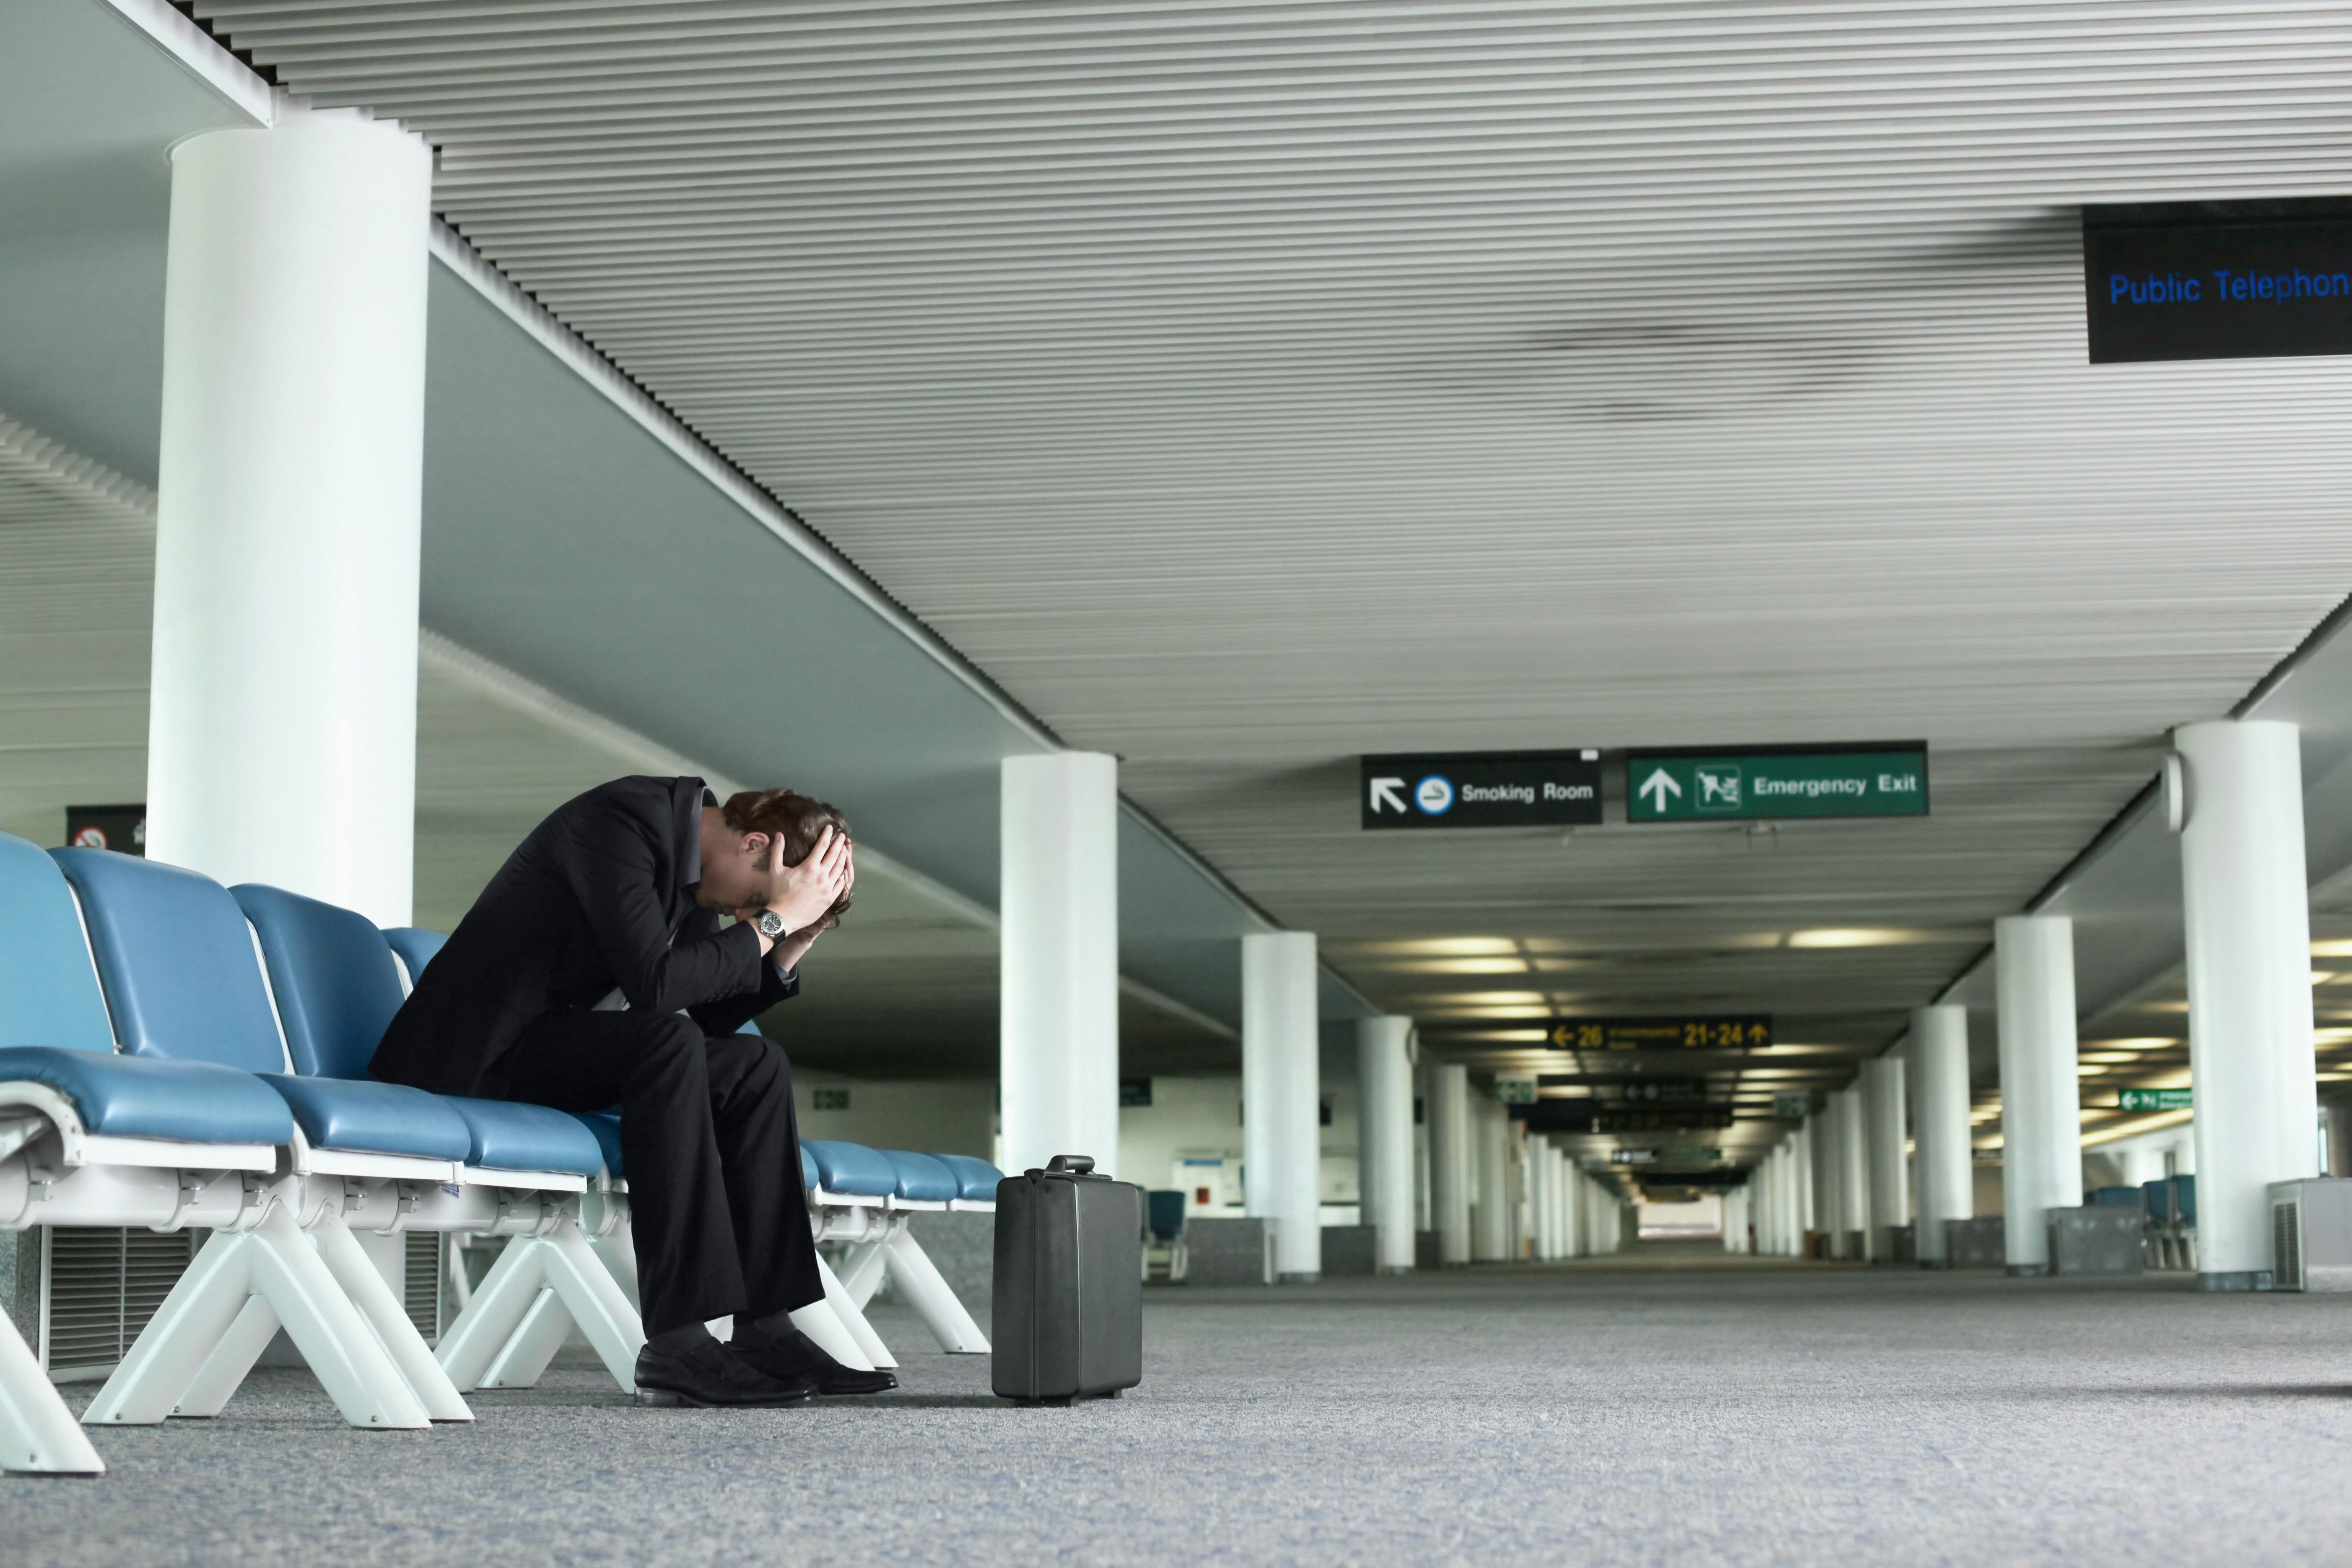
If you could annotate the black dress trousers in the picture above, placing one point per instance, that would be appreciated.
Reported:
(710, 1148)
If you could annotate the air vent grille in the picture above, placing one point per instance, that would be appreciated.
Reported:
(2286, 1246)
(103, 1287)
(421, 1282)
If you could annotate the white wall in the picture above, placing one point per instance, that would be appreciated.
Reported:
(1200, 1119)
(953, 1116)
(1702, 1216)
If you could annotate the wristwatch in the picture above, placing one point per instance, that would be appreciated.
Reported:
(770, 924)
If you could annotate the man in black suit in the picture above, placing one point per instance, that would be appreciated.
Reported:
(594, 971)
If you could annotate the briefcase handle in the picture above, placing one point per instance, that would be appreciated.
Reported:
(1075, 1164)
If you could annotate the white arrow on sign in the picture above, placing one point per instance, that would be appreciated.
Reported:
(1386, 793)
(1662, 785)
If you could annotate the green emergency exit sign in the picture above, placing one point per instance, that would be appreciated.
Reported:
(2154, 1099)
(1885, 778)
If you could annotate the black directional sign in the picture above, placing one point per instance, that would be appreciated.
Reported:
(1747, 1032)
(1598, 1116)
(1482, 789)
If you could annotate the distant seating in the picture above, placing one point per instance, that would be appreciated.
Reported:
(882, 1245)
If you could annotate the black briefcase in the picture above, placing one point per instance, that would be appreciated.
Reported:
(1069, 1284)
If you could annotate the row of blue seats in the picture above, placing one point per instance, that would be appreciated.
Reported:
(162, 1099)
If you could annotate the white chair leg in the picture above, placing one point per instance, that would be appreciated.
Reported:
(225, 1368)
(870, 1343)
(38, 1433)
(330, 1332)
(817, 1321)
(179, 1340)
(356, 1272)
(617, 1251)
(500, 1305)
(862, 1269)
(920, 1282)
(607, 1315)
(538, 1289)
(524, 1356)
(278, 1263)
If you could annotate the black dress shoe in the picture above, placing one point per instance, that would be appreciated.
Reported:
(711, 1375)
(792, 1355)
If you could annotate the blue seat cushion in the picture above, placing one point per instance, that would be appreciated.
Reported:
(808, 1167)
(361, 1117)
(48, 990)
(976, 1178)
(605, 1125)
(334, 977)
(138, 1097)
(851, 1168)
(415, 946)
(514, 1135)
(922, 1178)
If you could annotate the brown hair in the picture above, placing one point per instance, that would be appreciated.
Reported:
(798, 819)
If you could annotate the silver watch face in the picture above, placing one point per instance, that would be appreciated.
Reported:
(771, 924)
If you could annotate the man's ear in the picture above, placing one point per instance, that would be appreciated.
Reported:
(756, 845)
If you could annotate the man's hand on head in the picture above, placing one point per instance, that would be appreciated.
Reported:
(800, 895)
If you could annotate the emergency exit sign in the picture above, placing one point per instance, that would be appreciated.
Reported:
(1881, 778)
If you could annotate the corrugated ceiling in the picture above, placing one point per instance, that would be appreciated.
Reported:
(1246, 386)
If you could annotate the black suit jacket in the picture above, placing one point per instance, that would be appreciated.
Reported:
(600, 896)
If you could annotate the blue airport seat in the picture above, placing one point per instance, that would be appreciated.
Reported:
(171, 956)
(128, 1096)
(976, 1179)
(922, 1178)
(2157, 1196)
(1163, 1214)
(48, 991)
(415, 947)
(2184, 1199)
(332, 973)
(808, 1168)
(336, 989)
(851, 1169)
(513, 1135)
(605, 1126)
(55, 1031)
(176, 960)
(361, 1117)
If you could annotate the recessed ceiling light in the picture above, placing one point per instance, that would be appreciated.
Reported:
(1877, 936)
(1451, 966)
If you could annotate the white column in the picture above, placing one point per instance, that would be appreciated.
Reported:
(2041, 1115)
(2250, 1047)
(1540, 1225)
(1058, 958)
(1939, 1116)
(1822, 1148)
(1884, 1141)
(1853, 1176)
(1571, 1195)
(1384, 1109)
(1281, 1093)
(1449, 1160)
(281, 732)
(1490, 1240)
(1802, 1210)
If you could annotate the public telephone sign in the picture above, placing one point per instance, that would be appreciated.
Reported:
(1885, 778)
